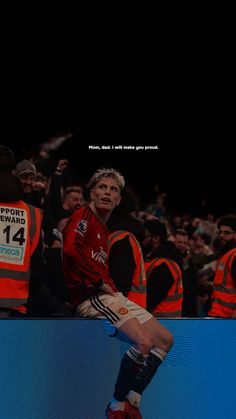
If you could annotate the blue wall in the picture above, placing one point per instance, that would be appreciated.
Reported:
(66, 369)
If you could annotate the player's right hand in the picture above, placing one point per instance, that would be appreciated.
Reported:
(107, 289)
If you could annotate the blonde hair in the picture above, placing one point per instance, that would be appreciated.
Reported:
(101, 173)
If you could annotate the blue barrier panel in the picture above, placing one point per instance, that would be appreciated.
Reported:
(66, 369)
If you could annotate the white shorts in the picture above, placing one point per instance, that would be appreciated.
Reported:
(117, 309)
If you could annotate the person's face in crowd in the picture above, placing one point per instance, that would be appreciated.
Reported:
(27, 180)
(177, 221)
(182, 243)
(73, 201)
(147, 245)
(196, 222)
(226, 234)
(105, 195)
(199, 241)
(159, 201)
(150, 243)
(210, 218)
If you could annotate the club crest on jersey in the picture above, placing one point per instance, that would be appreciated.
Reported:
(81, 227)
(123, 310)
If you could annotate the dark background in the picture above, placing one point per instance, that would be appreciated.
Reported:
(191, 120)
(172, 87)
(194, 163)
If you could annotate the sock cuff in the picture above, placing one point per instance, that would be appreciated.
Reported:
(116, 405)
(159, 353)
(136, 356)
(134, 398)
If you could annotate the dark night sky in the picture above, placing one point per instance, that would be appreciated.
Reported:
(193, 132)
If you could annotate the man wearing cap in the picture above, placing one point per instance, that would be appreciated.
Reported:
(33, 191)
(20, 228)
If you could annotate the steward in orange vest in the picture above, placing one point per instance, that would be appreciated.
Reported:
(135, 281)
(224, 288)
(223, 299)
(163, 271)
(20, 227)
(171, 304)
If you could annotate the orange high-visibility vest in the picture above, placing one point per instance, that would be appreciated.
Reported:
(20, 227)
(224, 292)
(137, 294)
(171, 306)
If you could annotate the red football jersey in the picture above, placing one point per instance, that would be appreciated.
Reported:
(84, 254)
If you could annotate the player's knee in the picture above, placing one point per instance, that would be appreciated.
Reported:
(168, 340)
(146, 344)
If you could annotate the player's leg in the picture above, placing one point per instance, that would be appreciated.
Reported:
(131, 362)
(163, 341)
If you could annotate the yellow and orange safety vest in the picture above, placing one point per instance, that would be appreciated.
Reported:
(171, 306)
(20, 227)
(137, 294)
(224, 293)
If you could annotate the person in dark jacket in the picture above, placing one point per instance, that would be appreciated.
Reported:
(121, 261)
(161, 279)
(190, 275)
